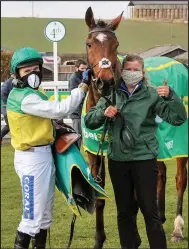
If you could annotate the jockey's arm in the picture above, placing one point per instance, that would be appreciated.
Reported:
(34, 105)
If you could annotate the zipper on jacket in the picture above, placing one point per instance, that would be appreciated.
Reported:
(149, 147)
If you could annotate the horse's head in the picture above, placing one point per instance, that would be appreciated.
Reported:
(101, 48)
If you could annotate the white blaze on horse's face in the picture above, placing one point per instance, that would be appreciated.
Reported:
(101, 37)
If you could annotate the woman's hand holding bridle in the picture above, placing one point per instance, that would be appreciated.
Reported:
(111, 111)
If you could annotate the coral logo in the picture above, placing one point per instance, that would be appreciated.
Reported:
(28, 196)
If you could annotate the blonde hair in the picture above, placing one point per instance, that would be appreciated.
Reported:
(136, 57)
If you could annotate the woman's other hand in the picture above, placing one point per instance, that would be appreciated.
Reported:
(163, 91)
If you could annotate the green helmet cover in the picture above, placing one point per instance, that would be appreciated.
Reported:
(25, 57)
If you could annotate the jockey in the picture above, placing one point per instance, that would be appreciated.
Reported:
(32, 134)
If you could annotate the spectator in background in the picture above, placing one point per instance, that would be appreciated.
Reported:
(5, 90)
(74, 81)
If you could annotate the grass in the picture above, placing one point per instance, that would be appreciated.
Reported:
(85, 227)
(133, 36)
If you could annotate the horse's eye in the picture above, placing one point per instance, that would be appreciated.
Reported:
(88, 45)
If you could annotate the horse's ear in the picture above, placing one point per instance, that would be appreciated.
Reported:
(89, 19)
(115, 23)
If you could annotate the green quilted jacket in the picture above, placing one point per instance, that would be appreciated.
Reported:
(139, 111)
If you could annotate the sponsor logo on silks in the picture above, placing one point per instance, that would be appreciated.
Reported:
(169, 145)
(28, 196)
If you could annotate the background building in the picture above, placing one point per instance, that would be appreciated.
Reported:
(168, 50)
(170, 10)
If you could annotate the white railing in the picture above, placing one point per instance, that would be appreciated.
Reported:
(48, 85)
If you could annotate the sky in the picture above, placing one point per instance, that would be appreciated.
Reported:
(63, 9)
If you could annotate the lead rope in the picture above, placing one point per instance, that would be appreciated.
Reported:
(98, 178)
(71, 230)
(112, 102)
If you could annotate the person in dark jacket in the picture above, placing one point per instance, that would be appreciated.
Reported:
(74, 82)
(133, 148)
(5, 90)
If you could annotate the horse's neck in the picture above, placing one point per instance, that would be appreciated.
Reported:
(93, 97)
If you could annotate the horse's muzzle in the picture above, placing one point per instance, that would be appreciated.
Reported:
(104, 86)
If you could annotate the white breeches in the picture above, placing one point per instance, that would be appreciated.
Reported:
(36, 171)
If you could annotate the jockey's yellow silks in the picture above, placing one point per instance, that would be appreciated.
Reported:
(27, 130)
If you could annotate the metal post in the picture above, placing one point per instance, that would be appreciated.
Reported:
(55, 69)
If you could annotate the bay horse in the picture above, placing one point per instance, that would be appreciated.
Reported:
(101, 47)
(101, 44)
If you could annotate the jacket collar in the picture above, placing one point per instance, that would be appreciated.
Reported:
(140, 91)
(124, 88)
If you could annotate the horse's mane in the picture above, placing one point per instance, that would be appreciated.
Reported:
(101, 24)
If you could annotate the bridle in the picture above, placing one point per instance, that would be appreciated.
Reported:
(103, 63)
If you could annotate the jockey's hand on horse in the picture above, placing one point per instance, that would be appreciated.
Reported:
(111, 111)
(164, 90)
(87, 76)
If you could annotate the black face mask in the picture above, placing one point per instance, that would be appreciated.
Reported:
(79, 74)
(32, 79)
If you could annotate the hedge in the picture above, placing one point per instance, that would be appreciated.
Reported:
(5, 65)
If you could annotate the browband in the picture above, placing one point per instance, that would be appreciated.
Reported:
(101, 30)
